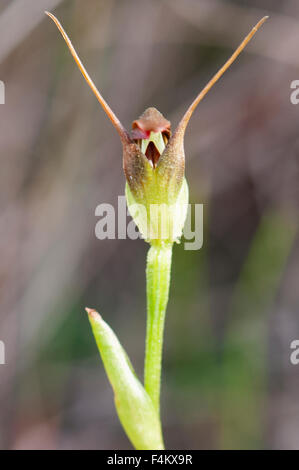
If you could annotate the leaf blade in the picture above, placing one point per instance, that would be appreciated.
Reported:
(134, 407)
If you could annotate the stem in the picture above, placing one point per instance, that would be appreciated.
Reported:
(157, 286)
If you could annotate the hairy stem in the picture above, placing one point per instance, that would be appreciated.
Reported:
(157, 286)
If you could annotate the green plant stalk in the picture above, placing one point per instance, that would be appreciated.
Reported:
(157, 287)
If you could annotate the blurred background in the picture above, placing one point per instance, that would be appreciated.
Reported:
(228, 382)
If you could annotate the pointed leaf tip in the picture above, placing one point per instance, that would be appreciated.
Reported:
(92, 313)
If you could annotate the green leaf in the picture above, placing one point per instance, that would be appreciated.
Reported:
(134, 406)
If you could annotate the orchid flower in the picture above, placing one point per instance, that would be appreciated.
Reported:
(154, 167)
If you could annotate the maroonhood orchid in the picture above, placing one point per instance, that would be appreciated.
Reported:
(154, 166)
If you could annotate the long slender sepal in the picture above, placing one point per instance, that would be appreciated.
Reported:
(134, 407)
(115, 121)
(183, 123)
(157, 286)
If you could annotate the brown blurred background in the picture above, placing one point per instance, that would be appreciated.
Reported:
(233, 311)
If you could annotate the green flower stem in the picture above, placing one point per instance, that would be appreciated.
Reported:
(157, 286)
